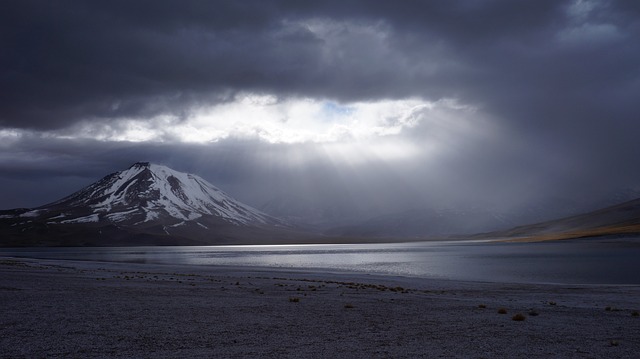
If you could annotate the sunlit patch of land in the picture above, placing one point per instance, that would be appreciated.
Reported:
(615, 230)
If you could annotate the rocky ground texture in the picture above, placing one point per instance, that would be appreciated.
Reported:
(90, 309)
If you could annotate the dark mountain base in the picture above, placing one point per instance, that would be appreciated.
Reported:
(41, 235)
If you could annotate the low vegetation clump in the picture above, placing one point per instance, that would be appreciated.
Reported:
(552, 303)
(502, 311)
(294, 299)
(348, 306)
(518, 317)
(614, 343)
(635, 313)
(482, 306)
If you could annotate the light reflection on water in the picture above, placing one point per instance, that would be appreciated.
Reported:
(587, 261)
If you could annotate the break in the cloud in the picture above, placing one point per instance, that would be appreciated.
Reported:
(265, 117)
(496, 99)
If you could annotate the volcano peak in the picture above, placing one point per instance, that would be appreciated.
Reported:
(140, 165)
(148, 198)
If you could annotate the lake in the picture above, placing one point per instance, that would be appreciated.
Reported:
(611, 261)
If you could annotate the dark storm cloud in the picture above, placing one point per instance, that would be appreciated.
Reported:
(68, 61)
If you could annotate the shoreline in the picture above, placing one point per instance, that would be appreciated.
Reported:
(204, 269)
(61, 308)
(610, 262)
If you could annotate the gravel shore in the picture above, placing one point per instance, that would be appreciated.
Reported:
(73, 309)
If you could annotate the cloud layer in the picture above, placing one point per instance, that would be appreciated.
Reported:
(477, 99)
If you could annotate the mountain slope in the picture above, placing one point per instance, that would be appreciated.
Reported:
(621, 219)
(146, 204)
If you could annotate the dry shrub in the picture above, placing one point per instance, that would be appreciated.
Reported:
(519, 317)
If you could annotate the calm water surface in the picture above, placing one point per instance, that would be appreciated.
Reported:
(615, 261)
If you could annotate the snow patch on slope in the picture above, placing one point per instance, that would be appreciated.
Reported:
(29, 214)
(120, 216)
(85, 219)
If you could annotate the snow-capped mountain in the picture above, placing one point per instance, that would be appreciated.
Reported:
(148, 192)
(145, 201)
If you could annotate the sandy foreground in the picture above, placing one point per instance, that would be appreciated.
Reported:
(72, 309)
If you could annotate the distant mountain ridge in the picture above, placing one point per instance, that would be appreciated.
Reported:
(146, 203)
(619, 220)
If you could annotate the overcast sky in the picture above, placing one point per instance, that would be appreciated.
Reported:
(385, 104)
